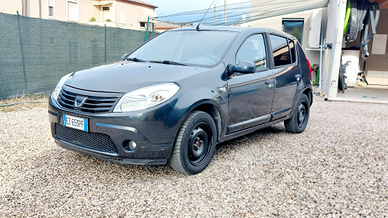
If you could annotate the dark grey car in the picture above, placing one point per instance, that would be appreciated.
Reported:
(178, 95)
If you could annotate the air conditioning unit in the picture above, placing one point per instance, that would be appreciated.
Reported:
(315, 29)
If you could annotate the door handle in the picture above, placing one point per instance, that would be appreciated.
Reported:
(269, 83)
(298, 76)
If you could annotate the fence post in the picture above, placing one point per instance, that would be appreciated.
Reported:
(22, 52)
(148, 23)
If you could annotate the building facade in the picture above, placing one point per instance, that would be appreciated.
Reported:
(130, 14)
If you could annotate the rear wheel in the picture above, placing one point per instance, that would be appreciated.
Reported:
(300, 116)
(195, 144)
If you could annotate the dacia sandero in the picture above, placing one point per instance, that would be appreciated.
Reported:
(173, 99)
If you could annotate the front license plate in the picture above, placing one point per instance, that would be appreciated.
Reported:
(75, 122)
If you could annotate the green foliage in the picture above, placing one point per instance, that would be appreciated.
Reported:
(108, 20)
(92, 19)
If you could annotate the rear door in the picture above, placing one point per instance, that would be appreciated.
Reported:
(250, 95)
(286, 74)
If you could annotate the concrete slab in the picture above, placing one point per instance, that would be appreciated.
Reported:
(368, 94)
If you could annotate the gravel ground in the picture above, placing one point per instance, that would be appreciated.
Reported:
(337, 168)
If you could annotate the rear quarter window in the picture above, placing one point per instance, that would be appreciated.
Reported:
(283, 50)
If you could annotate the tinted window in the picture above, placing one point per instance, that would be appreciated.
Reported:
(253, 49)
(292, 48)
(281, 52)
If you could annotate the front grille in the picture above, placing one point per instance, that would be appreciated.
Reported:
(92, 104)
(98, 141)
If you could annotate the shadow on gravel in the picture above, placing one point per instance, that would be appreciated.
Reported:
(256, 136)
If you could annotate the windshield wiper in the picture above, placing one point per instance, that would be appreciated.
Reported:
(135, 60)
(169, 62)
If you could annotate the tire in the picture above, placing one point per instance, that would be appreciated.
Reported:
(195, 144)
(300, 116)
(341, 80)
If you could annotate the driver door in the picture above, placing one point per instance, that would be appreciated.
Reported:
(251, 95)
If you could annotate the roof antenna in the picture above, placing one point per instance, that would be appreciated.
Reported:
(204, 15)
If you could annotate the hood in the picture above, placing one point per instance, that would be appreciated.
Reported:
(127, 76)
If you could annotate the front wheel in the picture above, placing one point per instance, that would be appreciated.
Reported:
(300, 117)
(195, 144)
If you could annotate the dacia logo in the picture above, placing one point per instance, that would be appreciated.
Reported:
(79, 101)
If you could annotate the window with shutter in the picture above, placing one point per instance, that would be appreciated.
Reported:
(72, 11)
(25, 8)
(51, 8)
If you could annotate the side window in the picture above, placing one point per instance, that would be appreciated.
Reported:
(281, 51)
(253, 49)
(72, 10)
(51, 8)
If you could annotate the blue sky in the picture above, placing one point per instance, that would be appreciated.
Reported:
(168, 7)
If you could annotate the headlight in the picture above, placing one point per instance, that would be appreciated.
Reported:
(146, 97)
(58, 88)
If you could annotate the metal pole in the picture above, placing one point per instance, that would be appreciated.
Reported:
(22, 53)
(105, 42)
(148, 23)
(214, 15)
(321, 57)
(333, 52)
(224, 12)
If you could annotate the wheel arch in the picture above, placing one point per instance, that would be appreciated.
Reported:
(309, 93)
(213, 109)
(306, 91)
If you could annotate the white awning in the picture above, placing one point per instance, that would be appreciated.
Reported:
(244, 12)
(261, 9)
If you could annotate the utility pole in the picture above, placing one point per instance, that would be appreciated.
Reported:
(224, 12)
(214, 15)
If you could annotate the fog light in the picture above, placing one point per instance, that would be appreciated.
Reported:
(129, 145)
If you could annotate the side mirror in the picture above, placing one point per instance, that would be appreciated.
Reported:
(245, 67)
(124, 57)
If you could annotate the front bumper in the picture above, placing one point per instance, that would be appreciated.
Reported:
(153, 131)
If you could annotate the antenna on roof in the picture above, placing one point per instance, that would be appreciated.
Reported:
(205, 15)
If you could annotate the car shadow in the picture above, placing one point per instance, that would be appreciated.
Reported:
(256, 136)
(61, 163)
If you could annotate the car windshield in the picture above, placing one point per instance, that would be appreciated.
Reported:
(204, 48)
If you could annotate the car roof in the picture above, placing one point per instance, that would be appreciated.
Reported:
(238, 29)
(222, 28)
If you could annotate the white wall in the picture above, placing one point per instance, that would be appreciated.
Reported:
(133, 14)
(276, 23)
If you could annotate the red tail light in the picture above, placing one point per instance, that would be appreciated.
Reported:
(311, 69)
